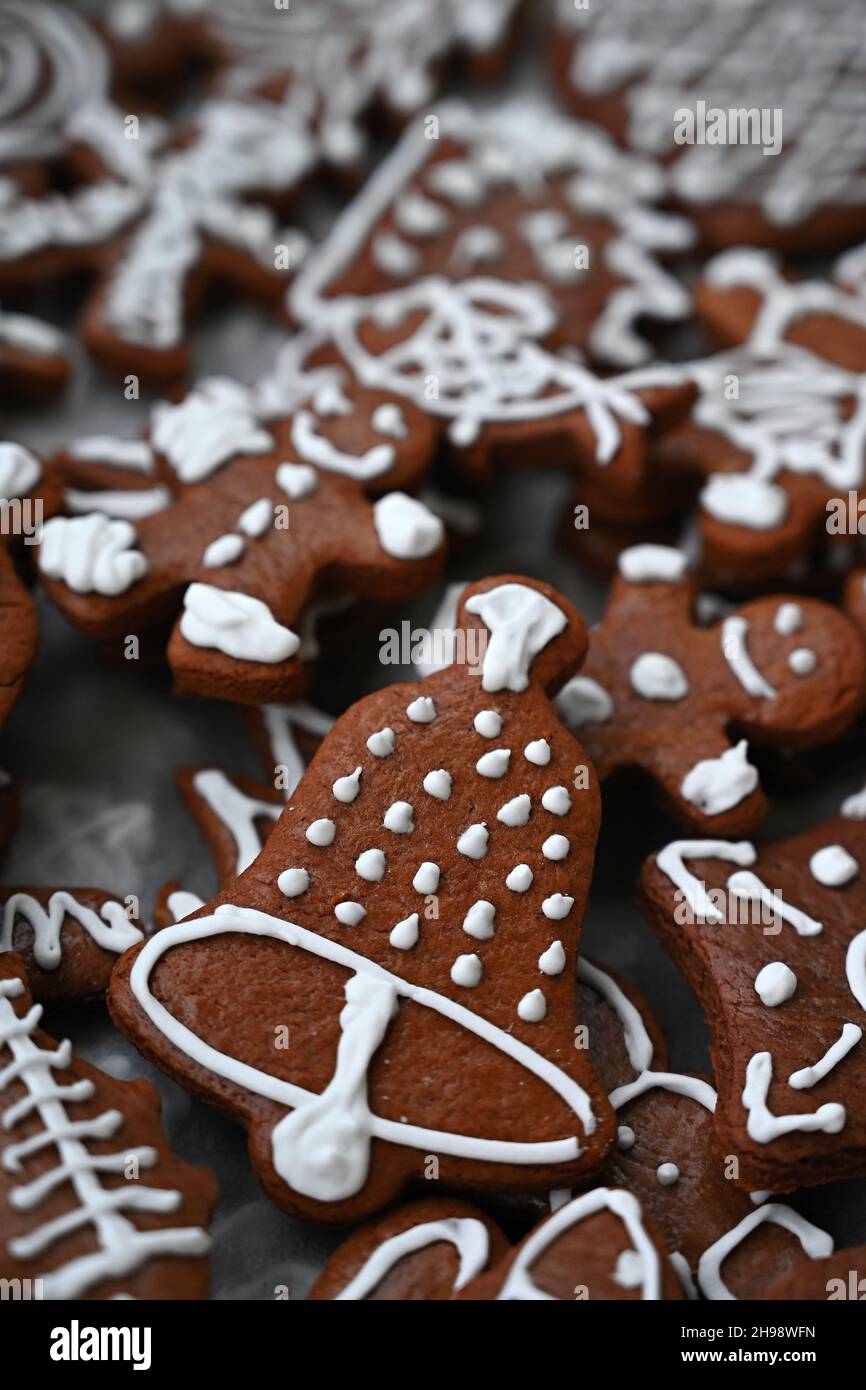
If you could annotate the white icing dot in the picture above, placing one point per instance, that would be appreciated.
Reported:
(382, 743)
(803, 661)
(833, 866)
(488, 723)
(557, 801)
(493, 764)
(399, 818)
(715, 785)
(583, 701)
(552, 961)
(406, 528)
(788, 619)
(516, 811)
(345, 789)
(658, 677)
(293, 882)
(557, 906)
(388, 419)
(223, 551)
(533, 1006)
(349, 913)
(438, 784)
(370, 865)
(422, 710)
(478, 921)
(651, 564)
(625, 1137)
(775, 983)
(426, 879)
(466, 971)
(321, 832)
(555, 847)
(297, 480)
(538, 752)
(405, 934)
(520, 878)
(667, 1174)
(473, 841)
(256, 518)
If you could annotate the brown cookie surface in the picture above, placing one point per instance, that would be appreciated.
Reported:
(431, 872)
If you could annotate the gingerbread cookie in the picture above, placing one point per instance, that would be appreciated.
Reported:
(723, 1242)
(776, 436)
(412, 960)
(600, 1245)
(841, 1276)
(34, 365)
(267, 511)
(426, 1251)
(79, 1216)
(661, 694)
(790, 173)
(771, 938)
(236, 814)
(166, 212)
(337, 62)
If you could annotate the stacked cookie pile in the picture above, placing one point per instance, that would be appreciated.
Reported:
(606, 279)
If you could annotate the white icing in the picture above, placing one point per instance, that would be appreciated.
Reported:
(552, 961)
(325, 1150)
(426, 878)
(473, 842)
(91, 554)
(236, 811)
(389, 419)
(422, 710)
(521, 622)
(370, 865)
(715, 785)
(488, 723)
(399, 818)
(110, 927)
(211, 425)
(314, 448)
(557, 801)
(297, 480)
(519, 1285)
(468, 1236)
(763, 1126)
(406, 528)
(833, 866)
(467, 971)
(802, 661)
(255, 519)
(538, 752)
(120, 1248)
(655, 676)
(672, 862)
(652, 564)
(479, 920)
(405, 934)
(815, 1243)
(438, 784)
(382, 743)
(735, 632)
(519, 879)
(516, 811)
(128, 504)
(321, 832)
(532, 1007)
(557, 906)
(747, 885)
(494, 763)
(775, 984)
(345, 789)
(20, 470)
(237, 624)
(789, 619)
(293, 882)
(223, 551)
(810, 1076)
(668, 1174)
(583, 701)
(350, 913)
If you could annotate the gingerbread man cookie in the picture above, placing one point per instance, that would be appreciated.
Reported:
(425, 1251)
(723, 1242)
(415, 961)
(771, 938)
(661, 694)
(165, 213)
(683, 86)
(267, 507)
(93, 1203)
